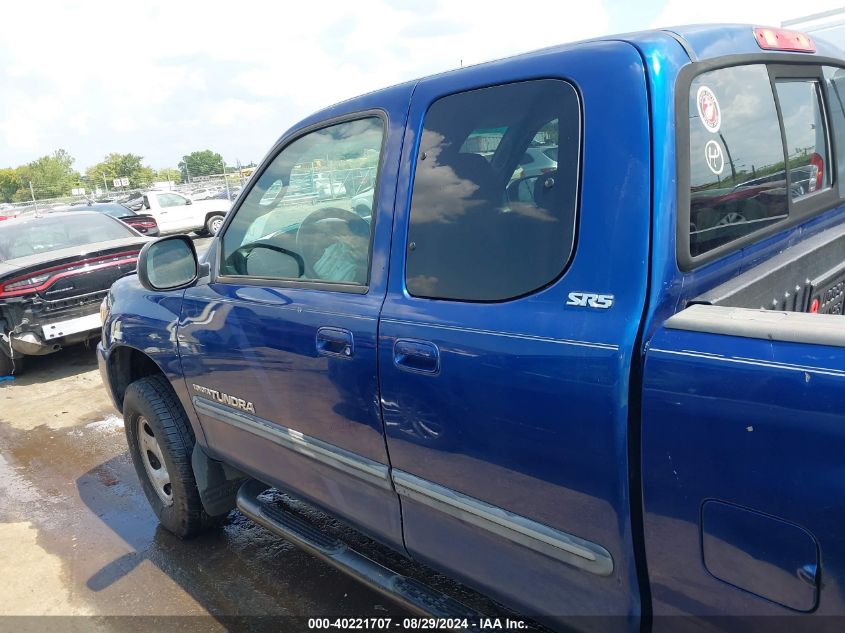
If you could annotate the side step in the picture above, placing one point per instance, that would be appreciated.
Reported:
(412, 594)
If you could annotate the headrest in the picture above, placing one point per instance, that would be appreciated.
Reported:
(476, 169)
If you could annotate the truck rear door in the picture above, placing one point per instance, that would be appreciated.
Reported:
(504, 348)
(279, 347)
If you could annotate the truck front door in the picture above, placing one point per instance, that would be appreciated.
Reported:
(504, 350)
(279, 350)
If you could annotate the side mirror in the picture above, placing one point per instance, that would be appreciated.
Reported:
(188, 201)
(168, 263)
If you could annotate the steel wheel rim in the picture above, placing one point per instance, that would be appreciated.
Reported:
(215, 225)
(153, 460)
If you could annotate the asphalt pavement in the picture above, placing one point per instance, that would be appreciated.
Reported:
(77, 536)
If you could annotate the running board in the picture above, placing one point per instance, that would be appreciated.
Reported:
(412, 594)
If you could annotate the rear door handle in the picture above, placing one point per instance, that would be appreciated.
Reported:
(332, 341)
(416, 356)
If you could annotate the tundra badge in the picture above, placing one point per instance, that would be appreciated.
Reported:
(225, 398)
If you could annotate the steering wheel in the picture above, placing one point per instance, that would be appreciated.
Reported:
(306, 237)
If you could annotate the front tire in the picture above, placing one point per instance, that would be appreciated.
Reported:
(160, 443)
(213, 224)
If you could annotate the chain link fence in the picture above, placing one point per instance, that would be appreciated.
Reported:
(316, 180)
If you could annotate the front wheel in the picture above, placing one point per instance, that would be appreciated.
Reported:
(160, 443)
(213, 224)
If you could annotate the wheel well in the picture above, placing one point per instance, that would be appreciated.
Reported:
(211, 214)
(127, 365)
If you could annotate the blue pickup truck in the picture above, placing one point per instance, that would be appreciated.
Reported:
(607, 393)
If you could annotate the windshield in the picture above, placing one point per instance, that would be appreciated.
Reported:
(55, 232)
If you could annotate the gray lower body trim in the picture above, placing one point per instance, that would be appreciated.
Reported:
(340, 459)
(541, 538)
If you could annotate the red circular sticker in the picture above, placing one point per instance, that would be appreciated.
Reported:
(708, 109)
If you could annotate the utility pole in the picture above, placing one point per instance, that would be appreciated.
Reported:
(240, 172)
(226, 182)
(32, 193)
(730, 159)
(105, 184)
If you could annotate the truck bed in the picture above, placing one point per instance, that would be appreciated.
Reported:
(813, 269)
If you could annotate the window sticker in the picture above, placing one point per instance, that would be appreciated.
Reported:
(708, 109)
(715, 158)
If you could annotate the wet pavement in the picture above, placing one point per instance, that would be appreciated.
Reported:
(78, 538)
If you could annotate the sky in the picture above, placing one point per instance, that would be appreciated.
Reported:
(164, 78)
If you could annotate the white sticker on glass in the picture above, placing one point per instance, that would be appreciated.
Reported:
(714, 157)
(708, 109)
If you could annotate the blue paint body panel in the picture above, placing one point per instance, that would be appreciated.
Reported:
(147, 322)
(783, 567)
(530, 395)
(752, 423)
(679, 454)
(260, 343)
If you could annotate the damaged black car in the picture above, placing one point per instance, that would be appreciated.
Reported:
(54, 273)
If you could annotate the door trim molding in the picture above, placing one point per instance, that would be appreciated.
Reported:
(538, 537)
(541, 538)
(363, 468)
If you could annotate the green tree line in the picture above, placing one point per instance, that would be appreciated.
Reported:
(54, 175)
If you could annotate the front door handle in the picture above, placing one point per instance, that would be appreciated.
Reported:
(416, 356)
(332, 341)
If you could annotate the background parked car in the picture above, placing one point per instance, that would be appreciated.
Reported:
(176, 213)
(536, 161)
(362, 202)
(205, 193)
(144, 223)
(54, 272)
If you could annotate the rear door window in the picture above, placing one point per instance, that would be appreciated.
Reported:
(737, 176)
(806, 139)
(835, 80)
(484, 225)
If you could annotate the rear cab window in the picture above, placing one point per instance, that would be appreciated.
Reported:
(486, 224)
(759, 156)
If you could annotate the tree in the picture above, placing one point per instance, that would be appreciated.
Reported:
(204, 163)
(118, 166)
(168, 174)
(10, 182)
(51, 176)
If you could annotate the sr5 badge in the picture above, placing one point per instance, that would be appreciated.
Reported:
(590, 300)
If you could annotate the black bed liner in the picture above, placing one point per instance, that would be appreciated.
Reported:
(812, 269)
